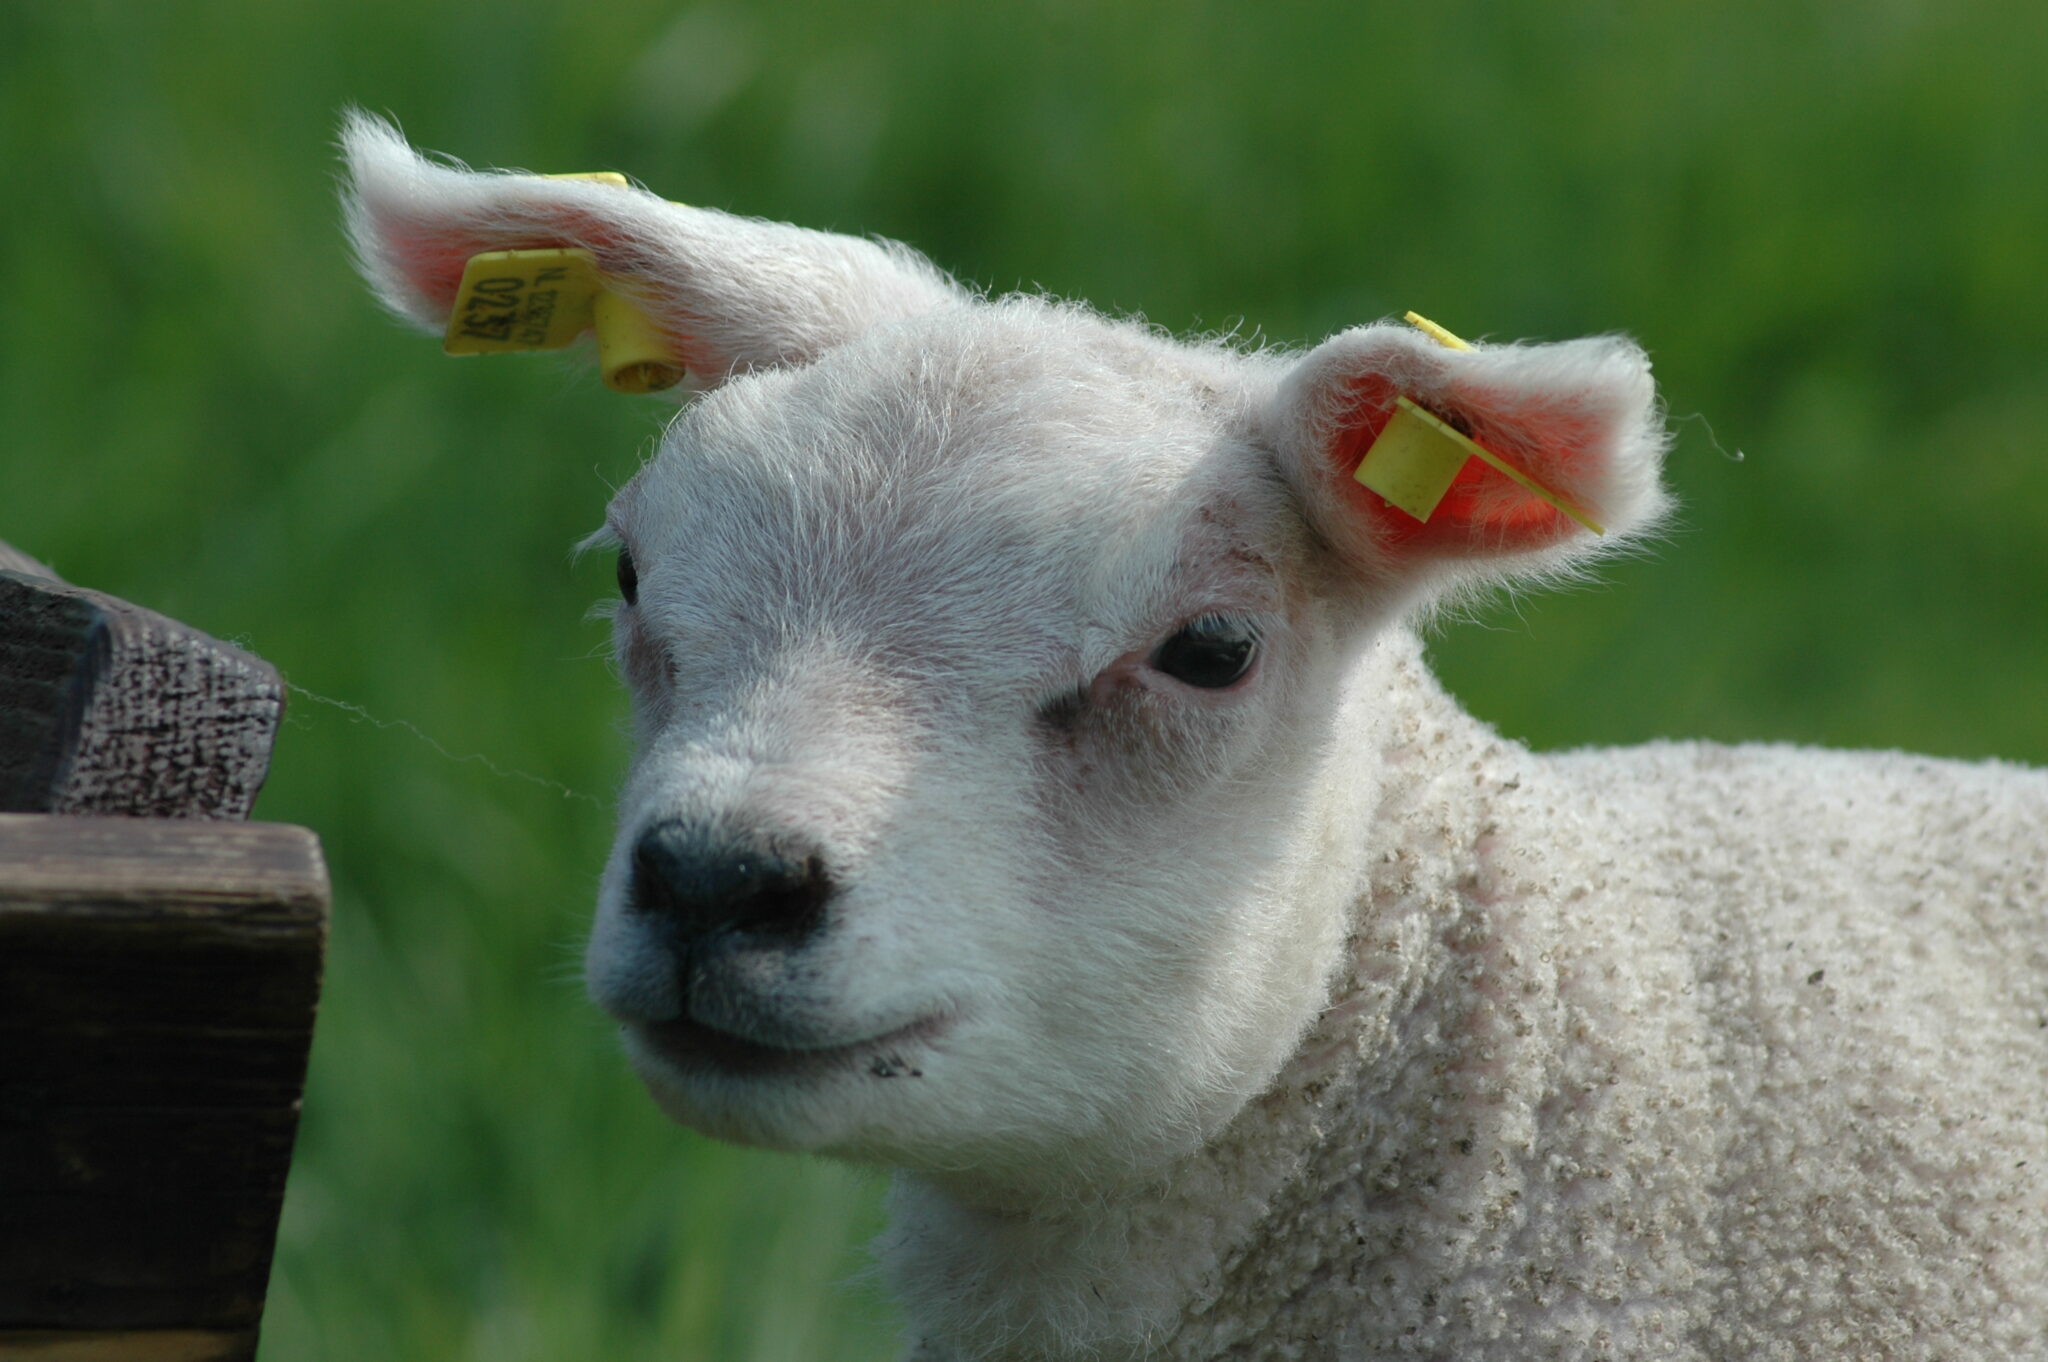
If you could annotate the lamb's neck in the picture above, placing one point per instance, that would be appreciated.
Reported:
(1148, 1271)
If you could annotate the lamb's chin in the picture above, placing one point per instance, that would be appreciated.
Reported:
(691, 1049)
(738, 1090)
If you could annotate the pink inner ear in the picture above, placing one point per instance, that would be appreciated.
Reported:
(430, 260)
(432, 257)
(431, 253)
(1482, 508)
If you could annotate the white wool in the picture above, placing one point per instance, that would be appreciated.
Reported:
(1683, 1051)
(1291, 1016)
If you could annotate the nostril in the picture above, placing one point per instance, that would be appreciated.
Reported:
(791, 903)
(701, 882)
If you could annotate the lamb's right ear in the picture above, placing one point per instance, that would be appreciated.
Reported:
(1577, 421)
(727, 294)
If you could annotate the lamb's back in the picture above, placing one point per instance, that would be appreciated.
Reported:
(1861, 989)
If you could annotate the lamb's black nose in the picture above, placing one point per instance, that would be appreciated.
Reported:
(698, 882)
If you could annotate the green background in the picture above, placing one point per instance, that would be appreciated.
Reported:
(1824, 218)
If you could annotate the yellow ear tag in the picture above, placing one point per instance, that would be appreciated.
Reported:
(1418, 454)
(511, 301)
(1413, 462)
(1433, 331)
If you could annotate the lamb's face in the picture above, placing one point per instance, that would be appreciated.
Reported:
(984, 657)
(974, 700)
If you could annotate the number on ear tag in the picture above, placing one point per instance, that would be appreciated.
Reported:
(512, 301)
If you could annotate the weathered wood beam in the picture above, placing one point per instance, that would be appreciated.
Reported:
(109, 708)
(157, 989)
(137, 1345)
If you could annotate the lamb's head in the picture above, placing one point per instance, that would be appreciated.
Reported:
(985, 658)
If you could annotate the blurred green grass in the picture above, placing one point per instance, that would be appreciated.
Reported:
(1826, 221)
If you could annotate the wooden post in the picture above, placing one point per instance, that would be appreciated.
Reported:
(158, 977)
(109, 708)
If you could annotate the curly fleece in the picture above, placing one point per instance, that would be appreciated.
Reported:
(1303, 1018)
(1681, 1051)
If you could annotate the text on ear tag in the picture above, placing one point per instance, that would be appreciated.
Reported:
(512, 301)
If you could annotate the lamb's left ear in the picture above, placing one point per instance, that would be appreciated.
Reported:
(1578, 419)
(724, 294)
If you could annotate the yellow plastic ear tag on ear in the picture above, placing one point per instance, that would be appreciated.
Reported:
(632, 354)
(510, 301)
(1418, 454)
(1414, 461)
(610, 177)
(1433, 331)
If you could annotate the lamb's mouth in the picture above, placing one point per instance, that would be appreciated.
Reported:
(692, 1047)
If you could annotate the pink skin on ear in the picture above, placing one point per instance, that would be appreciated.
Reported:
(1483, 506)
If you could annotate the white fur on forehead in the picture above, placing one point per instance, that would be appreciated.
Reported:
(942, 458)
(979, 393)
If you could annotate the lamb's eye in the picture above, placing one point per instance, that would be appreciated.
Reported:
(629, 578)
(1210, 653)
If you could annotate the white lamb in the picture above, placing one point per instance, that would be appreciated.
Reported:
(1040, 793)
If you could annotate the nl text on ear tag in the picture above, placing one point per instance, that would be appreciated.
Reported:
(511, 301)
(1418, 454)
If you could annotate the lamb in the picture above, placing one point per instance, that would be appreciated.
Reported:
(1040, 793)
